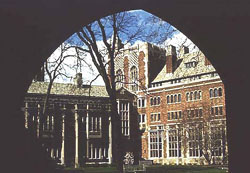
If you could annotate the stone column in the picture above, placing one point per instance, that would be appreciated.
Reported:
(76, 138)
(118, 106)
(52, 123)
(100, 124)
(47, 122)
(110, 142)
(104, 152)
(52, 153)
(100, 153)
(57, 154)
(63, 136)
(87, 131)
(92, 151)
(38, 120)
(26, 115)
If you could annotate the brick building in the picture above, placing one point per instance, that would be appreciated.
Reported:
(77, 129)
(172, 108)
(180, 101)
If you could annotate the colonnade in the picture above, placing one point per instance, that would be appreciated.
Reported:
(54, 152)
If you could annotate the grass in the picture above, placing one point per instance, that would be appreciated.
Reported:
(91, 170)
(184, 169)
(151, 169)
(102, 169)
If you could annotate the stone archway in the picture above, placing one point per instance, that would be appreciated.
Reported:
(32, 30)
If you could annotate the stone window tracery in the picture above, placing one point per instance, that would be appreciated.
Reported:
(155, 143)
(134, 79)
(119, 78)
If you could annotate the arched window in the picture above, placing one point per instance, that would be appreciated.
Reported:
(155, 101)
(175, 98)
(167, 99)
(199, 95)
(191, 96)
(187, 96)
(133, 78)
(119, 78)
(195, 95)
(172, 99)
(179, 97)
(159, 100)
(211, 93)
(220, 91)
(151, 101)
(215, 92)
(133, 73)
(139, 102)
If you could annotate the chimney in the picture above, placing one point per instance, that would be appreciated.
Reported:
(207, 62)
(184, 50)
(78, 80)
(170, 59)
(171, 50)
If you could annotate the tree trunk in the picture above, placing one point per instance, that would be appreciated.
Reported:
(45, 108)
(116, 133)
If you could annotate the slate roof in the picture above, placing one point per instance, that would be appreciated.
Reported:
(182, 71)
(67, 89)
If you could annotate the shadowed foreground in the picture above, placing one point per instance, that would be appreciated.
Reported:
(151, 169)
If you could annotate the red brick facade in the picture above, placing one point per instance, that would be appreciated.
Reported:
(170, 61)
(166, 95)
(205, 103)
(141, 66)
(126, 71)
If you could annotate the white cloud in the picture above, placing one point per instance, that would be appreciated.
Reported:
(177, 40)
(180, 39)
(87, 73)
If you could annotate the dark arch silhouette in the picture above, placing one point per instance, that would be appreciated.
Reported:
(32, 30)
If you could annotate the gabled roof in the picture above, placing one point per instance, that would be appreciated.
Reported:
(124, 93)
(67, 89)
(182, 72)
(123, 90)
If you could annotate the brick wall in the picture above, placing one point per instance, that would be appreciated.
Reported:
(141, 66)
(126, 70)
(206, 102)
(170, 63)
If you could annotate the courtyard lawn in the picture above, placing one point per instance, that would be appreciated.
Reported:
(151, 169)
(90, 170)
(184, 169)
(101, 169)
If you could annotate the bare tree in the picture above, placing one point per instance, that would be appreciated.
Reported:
(55, 67)
(101, 40)
(107, 30)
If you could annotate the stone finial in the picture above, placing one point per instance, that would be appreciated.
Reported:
(78, 80)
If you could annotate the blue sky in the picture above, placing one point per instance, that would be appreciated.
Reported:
(175, 38)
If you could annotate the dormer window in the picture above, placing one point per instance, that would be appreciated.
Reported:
(191, 64)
